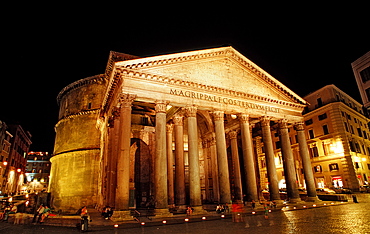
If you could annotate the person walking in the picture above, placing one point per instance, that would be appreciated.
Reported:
(45, 214)
(84, 219)
(38, 213)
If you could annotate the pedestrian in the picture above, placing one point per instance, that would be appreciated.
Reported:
(38, 213)
(237, 210)
(6, 213)
(274, 204)
(266, 208)
(45, 214)
(84, 219)
(253, 204)
(189, 210)
(245, 199)
(107, 212)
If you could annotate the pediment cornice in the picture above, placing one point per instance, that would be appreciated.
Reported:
(145, 68)
(130, 73)
(223, 52)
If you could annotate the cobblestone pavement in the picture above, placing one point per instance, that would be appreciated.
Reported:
(349, 218)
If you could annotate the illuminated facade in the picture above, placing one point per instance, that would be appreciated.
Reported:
(174, 130)
(17, 159)
(37, 171)
(338, 138)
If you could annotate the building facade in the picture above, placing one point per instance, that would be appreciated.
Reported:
(16, 165)
(5, 144)
(174, 130)
(37, 171)
(361, 70)
(339, 139)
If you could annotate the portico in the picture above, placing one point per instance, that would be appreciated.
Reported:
(198, 92)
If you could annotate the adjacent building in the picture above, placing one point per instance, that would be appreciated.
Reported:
(361, 70)
(20, 143)
(5, 144)
(339, 139)
(37, 171)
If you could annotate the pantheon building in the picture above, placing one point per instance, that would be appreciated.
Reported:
(174, 130)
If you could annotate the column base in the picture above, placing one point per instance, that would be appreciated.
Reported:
(121, 215)
(162, 213)
(312, 199)
(295, 201)
(198, 210)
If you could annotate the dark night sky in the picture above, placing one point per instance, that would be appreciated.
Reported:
(305, 47)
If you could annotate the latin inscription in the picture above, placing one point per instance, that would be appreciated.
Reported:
(228, 101)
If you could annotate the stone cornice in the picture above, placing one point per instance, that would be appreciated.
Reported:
(79, 83)
(187, 84)
(76, 115)
(228, 52)
(131, 68)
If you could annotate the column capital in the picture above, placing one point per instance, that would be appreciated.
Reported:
(265, 120)
(218, 115)
(191, 111)
(115, 114)
(243, 118)
(299, 126)
(126, 99)
(283, 124)
(160, 106)
(177, 120)
(169, 128)
(233, 134)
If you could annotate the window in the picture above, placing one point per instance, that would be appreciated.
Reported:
(311, 134)
(325, 129)
(314, 151)
(317, 169)
(357, 165)
(359, 132)
(333, 167)
(327, 148)
(319, 102)
(351, 129)
(323, 116)
(368, 93)
(308, 122)
(365, 74)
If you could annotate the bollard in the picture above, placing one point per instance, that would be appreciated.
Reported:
(354, 199)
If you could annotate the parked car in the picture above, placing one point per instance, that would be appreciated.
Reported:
(325, 191)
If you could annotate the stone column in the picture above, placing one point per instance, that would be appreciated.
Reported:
(270, 159)
(114, 136)
(216, 184)
(180, 194)
(194, 171)
(160, 160)
(223, 169)
(306, 163)
(170, 176)
(249, 168)
(288, 163)
(236, 165)
(123, 159)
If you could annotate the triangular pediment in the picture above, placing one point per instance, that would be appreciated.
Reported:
(223, 68)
